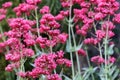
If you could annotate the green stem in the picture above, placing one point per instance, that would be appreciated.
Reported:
(3, 38)
(37, 25)
(105, 53)
(105, 47)
(88, 60)
(69, 32)
(76, 53)
(71, 55)
(36, 16)
(99, 46)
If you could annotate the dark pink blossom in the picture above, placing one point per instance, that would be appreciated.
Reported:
(21, 74)
(97, 59)
(54, 77)
(112, 59)
(100, 34)
(7, 4)
(45, 10)
(33, 2)
(117, 18)
(91, 41)
(81, 52)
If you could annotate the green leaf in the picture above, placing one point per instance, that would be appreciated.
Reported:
(88, 72)
(115, 74)
(112, 70)
(42, 77)
(72, 49)
(78, 77)
(110, 50)
(79, 46)
(66, 78)
(32, 64)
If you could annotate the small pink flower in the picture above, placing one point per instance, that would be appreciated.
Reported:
(24, 8)
(3, 11)
(67, 63)
(84, 4)
(108, 24)
(12, 57)
(2, 45)
(91, 41)
(112, 59)
(91, 14)
(7, 4)
(54, 77)
(65, 4)
(100, 34)
(11, 41)
(9, 68)
(60, 61)
(117, 18)
(110, 34)
(99, 16)
(2, 17)
(29, 42)
(45, 10)
(64, 13)
(33, 2)
(62, 38)
(41, 41)
(81, 52)
(28, 52)
(97, 59)
(21, 74)
(60, 54)
(59, 17)
(81, 32)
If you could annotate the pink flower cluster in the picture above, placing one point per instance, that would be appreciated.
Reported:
(50, 27)
(81, 52)
(46, 63)
(19, 40)
(21, 37)
(45, 10)
(3, 10)
(53, 77)
(80, 15)
(98, 18)
(91, 41)
(116, 19)
(61, 15)
(7, 5)
(99, 60)
(33, 2)
(26, 7)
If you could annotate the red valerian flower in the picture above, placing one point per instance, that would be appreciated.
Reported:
(117, 18)
(112, 59)
(100, 34)
(97, 59)
(33, 2)
(91, 41)
(7, 5)
(46, 63)
(45, 10)
(81, 52)
(54, 77)
(22, 74)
